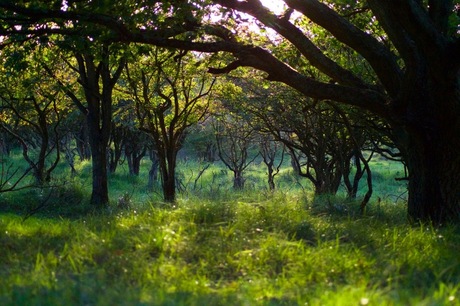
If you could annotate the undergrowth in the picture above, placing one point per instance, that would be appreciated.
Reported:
(218, 247)
(276, 251)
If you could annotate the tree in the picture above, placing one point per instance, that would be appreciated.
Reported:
(416, 62)
(413, 53)
(135, 141)
(235, 139)
(319, 135)
(98, 70)
(201, 141)
(33, 102)
(269, 149)
(171, 92)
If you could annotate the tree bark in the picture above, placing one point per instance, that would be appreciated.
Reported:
(153, 172)
(5, 145)
(168, 174)
(271, 177)
(134, 157)
(434, 175)
(327, 183)
(98, 83)
(100, 192)
(430, 146)
(238, 180)
(82, 142)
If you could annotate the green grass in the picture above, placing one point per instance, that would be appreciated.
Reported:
(218, 247)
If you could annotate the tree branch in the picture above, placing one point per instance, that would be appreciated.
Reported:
(284, 27)
(278, 71)
(382, 60)
(416, 22)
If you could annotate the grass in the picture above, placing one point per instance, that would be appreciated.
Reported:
(217, 247)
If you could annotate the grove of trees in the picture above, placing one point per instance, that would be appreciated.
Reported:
(367, 72)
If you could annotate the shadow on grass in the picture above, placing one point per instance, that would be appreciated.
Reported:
(63, 201)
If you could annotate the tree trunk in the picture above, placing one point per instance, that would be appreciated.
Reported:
(327, 181)
(99, 139)
(4, 144)
(294, 164)
(271, 175)
(82, 143)
(323, 188)
(352, 188)
(134, 158)
(169, 189)
(169, 186)
(271, 179)
(153, 172)
(211, 153)
(238, 180)
(431, 147)
(117, 139)
(100, 192)
(168, 174)
(434, 176)
(39, 169)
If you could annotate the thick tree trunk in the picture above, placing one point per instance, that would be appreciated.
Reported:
(169, 189)
(100, 192)
(434, 176)
(431, 148)
(99, 139)
(169, 186)
(39, 169)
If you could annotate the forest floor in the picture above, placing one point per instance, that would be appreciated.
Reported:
(219, 247)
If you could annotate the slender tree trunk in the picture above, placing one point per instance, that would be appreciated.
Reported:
(211, 153)
(294, 164)
(370, 188)
(39, 169)
(4, 144)
(153, 172)
(134, 158)
(238, 180)
(82, 143)
(117, 138)
(327, 181)
(137, 164)
(352, 188)
(271, 177)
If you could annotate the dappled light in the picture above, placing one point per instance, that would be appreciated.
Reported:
(227, 152)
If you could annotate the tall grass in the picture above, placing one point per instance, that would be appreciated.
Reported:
(218, 247)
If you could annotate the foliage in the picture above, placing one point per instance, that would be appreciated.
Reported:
(33, 110)
(171, 92)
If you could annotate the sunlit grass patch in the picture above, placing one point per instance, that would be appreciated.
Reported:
(217, 246)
